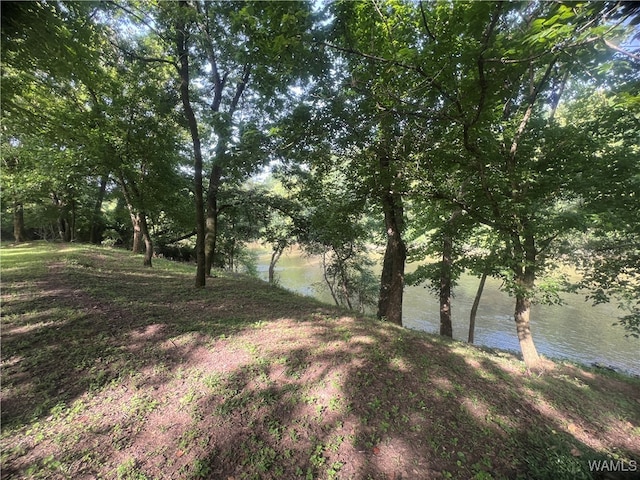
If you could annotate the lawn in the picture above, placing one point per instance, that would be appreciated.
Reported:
(113, 370)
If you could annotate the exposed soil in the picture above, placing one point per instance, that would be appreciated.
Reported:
(110, 370)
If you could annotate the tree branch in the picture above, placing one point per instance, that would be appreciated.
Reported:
(141, 57)
(424, 22)
(481, 74)
(527, 114)
(143, 21)
(621, 50)
(246, 72)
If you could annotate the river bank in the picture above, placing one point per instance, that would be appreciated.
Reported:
(576, 331)
(113, 370)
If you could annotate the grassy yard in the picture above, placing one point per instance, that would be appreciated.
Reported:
(111, 370)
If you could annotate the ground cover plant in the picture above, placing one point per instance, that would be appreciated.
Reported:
(113, 370)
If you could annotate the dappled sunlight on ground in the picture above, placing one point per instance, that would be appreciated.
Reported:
(245, 380)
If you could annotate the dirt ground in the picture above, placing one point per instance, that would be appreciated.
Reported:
(110, 370)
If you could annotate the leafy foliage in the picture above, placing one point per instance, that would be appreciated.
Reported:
(507, 131)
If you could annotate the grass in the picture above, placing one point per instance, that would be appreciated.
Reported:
(111, 370)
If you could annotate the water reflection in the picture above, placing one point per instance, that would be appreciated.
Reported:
(577, 331)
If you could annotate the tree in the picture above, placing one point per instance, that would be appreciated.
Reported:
(489, 83)
(284, 224)
(390, 195)
(366, 89)
(48, 49)
(143, 144)
(608, 253)
(502, 97)
(252, 50)
(97, 112)
(336, 224)
(244, 56)
(182, 52)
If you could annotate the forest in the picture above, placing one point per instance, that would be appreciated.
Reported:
(500, 139)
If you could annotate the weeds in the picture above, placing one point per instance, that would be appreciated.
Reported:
(128, 470)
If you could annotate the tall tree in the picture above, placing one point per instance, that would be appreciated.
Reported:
(182, 51)
(489, 83)
(501, 95)
(235, 60)
(608, 253)
(365, 39)
(48, 50)
(98, 114)
(390, 196)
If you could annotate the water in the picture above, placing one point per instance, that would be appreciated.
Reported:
(576, 331)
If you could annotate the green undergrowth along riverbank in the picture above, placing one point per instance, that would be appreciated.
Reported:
(113, 370)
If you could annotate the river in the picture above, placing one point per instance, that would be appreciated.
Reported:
(575, 331)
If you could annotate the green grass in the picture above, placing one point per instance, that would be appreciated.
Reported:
(113, 370)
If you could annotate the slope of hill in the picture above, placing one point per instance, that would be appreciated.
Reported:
(112, 370)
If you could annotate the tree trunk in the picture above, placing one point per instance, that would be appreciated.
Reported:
(446, 280)
(345, 284)
(183, 70)
(474, 307)
(72, 222)
(446, 326)
(329, 283)
(525, 279)
(95, 235)
(19, 233)
(275, 256)
(392, 277)
(63, 229)
(136, 246)
(148, 244)
(523, 328)
(137, 233)
(212, 217)
(232, 253)
(138, 221)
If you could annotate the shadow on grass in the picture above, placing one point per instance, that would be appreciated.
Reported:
(116, 371)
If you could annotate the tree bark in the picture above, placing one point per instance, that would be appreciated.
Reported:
(72, 222)
(19, 232)
(525, 279)
(148, 244)
(95, 235)
(138, 221)
(446, 280)
(211, 225)
(63, 227)
(183, 71)
(446, 326)
(523, 329)
(275, 256)
(345, 284)
(392, 277)
(136, 246)
(329, 283)
(140, 235)
(474, 307)
(222, 128)
(137, 233)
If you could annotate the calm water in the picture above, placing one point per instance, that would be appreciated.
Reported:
(577, 330)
